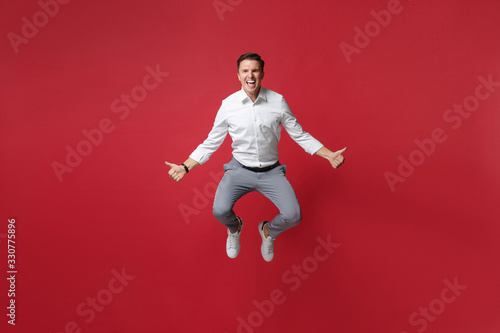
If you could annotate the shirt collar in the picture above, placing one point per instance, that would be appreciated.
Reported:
(262, 95)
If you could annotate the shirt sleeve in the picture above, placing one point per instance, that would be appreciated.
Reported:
(293, 128)
(215, 138)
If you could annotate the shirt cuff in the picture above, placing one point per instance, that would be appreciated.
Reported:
(314, 147)
(198, 157)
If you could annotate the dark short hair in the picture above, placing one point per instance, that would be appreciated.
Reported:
(251, 56)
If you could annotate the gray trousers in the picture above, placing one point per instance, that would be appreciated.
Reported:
(273, 184)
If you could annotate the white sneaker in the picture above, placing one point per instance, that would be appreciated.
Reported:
(267, 247)
(233, 241)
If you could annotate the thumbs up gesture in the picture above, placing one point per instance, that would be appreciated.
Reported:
(336, 159)
(176, 172)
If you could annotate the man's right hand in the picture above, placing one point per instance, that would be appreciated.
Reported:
(176, 172)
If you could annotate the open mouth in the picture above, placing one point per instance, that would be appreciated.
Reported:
(251, 84)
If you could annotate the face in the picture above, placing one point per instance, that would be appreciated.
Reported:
(250, 75)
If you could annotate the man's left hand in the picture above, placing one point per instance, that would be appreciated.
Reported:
(336, 159)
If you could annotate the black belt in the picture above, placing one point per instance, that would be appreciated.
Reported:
(264, 169)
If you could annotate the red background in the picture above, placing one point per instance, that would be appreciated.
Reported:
(118, 210)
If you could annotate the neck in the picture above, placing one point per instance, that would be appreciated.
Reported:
(253, 96)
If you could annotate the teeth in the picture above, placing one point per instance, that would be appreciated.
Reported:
(250, 81)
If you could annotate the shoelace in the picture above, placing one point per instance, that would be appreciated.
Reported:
(233, 241)
(269, 244)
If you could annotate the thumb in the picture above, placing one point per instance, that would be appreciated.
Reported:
(169, 164)
(342, 150)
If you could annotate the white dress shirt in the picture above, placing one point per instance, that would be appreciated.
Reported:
(255, 129)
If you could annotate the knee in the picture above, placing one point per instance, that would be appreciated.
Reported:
(292, 217)
(221, 212)
(218, 213)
